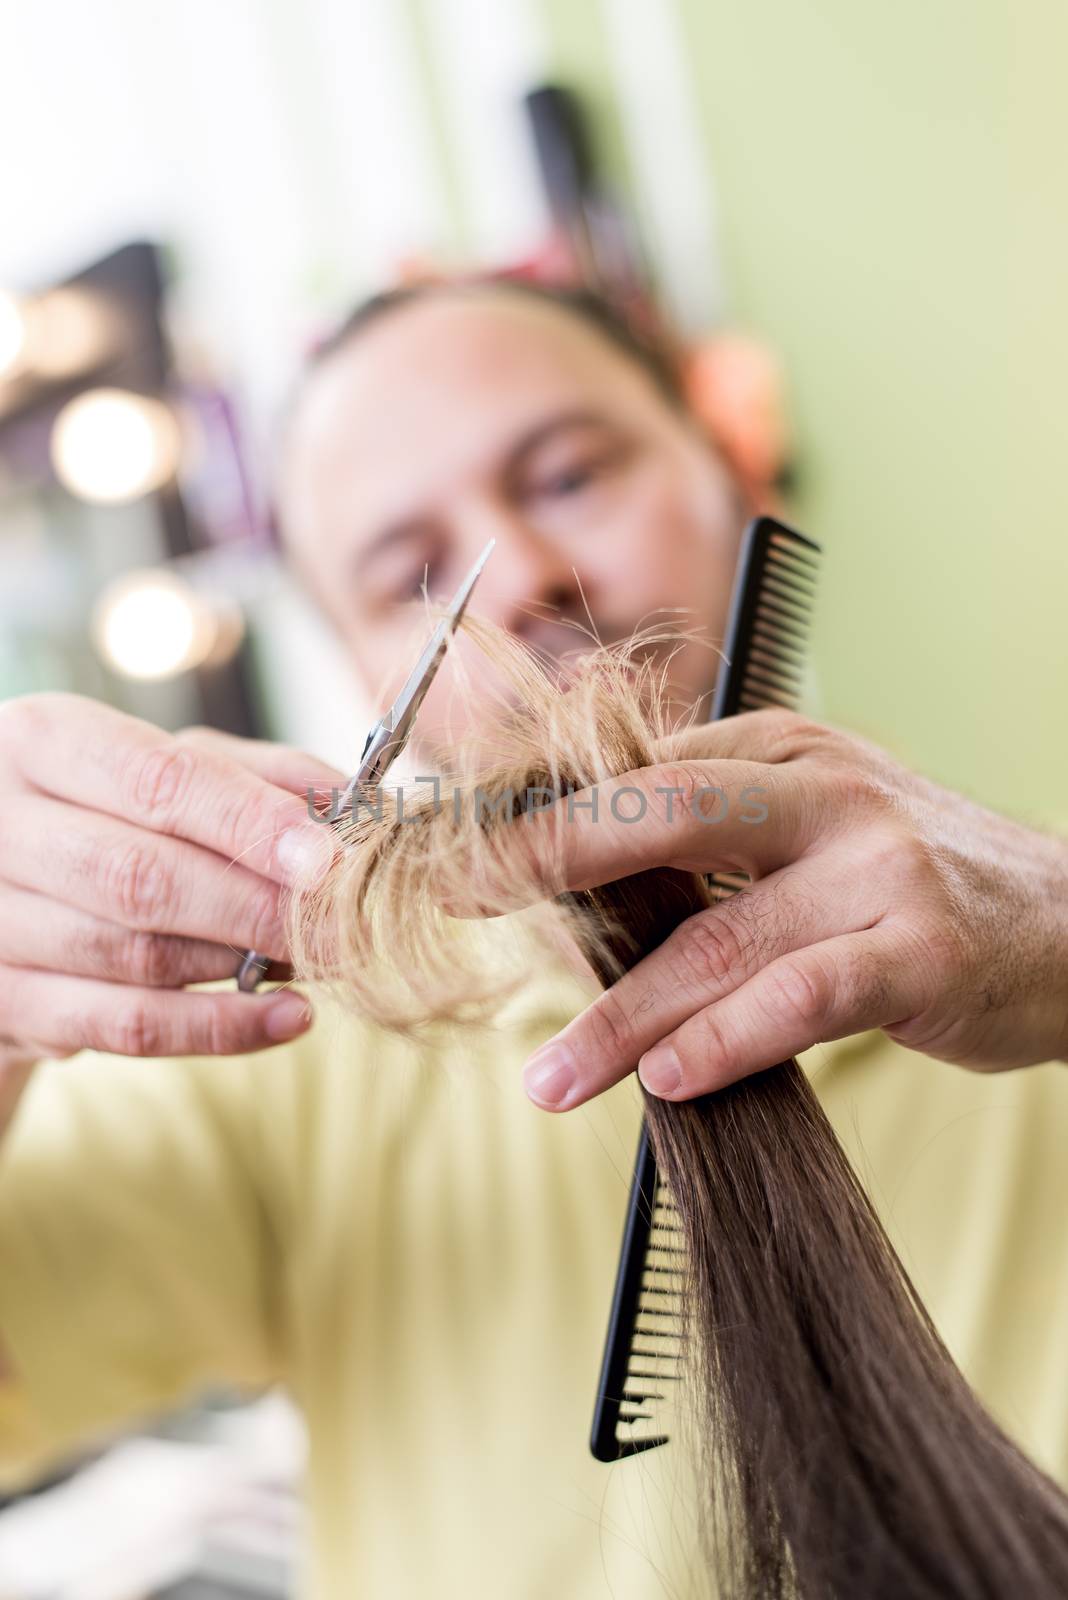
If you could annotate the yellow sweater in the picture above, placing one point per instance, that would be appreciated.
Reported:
(426, 1260)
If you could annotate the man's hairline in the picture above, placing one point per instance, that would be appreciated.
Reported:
(422, 293)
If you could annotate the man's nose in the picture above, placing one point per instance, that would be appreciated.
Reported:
(529, 581)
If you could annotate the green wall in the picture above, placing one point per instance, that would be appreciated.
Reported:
(873, 163)
(891, 194)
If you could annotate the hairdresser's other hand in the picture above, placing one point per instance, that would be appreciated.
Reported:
(878, 900)
(134, 862)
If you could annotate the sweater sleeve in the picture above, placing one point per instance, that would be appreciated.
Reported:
(140, 1231)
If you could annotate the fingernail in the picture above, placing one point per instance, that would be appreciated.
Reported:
(661, 1070)
(287, 1016)
(549, 1075)
(304, 853)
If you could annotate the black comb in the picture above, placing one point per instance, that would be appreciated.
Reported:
(764, 655)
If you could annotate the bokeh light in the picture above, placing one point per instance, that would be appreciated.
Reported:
(110, 446)
(152, 624)
(68, 330)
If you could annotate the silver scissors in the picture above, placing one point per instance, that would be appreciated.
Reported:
(389, 734)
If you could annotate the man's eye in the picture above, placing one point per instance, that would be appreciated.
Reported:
(572, 480)
(579, 474)
(410, 585)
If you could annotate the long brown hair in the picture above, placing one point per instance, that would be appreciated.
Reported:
(846, 1456)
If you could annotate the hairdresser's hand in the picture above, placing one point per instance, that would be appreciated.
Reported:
(134, 862)
(879, 900)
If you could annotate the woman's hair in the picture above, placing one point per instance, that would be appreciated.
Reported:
(845, 1456)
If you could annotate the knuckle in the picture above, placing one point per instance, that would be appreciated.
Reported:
(789, 734)
(141, 957)
(847, 785)
(150, 959)
(136, 1030)
(139, 885)
(96, 953)
(220, 1031)
(157, 778)
(611, 1033)
(683, 790)
(848, 792)
(805, 990)
(757, 919)
(792, 732)
(235, 819)
(710, 952)
(915, 861)
(709, 1045)
(879, 853)
(895, 849)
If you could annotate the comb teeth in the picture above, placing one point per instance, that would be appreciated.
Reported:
(655, 1351)
(768, 626)
(644, 1349)
(763, 666)
(641, 1353)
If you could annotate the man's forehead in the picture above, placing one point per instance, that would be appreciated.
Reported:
(443, 387)
(495, 342)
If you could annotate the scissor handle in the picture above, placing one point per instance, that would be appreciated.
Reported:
(252, 971)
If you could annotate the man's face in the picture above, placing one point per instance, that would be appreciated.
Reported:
(470, 416)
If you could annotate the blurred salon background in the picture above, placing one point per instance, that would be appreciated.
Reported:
(853, 214)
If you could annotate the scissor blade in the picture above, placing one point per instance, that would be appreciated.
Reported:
(389, 736)
(401, 714)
